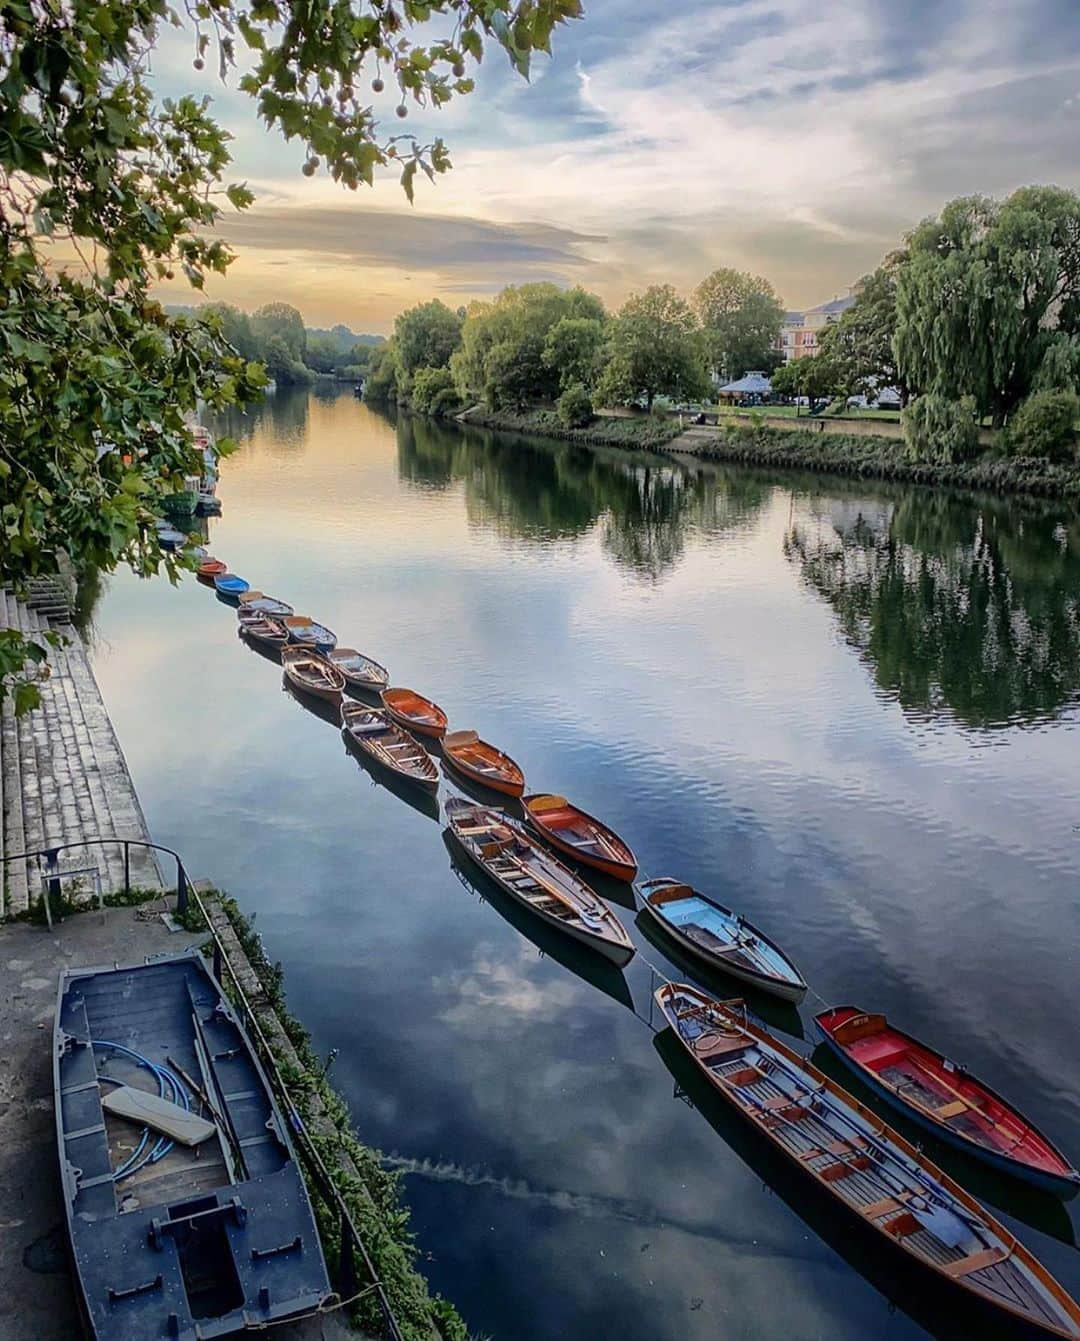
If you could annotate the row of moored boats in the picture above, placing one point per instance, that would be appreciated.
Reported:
(537, 861)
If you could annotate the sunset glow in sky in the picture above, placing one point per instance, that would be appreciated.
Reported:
(663, 140)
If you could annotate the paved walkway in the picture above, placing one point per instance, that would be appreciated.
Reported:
(63, 775)
(36, 1298)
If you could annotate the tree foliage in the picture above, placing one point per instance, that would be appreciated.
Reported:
(503, 343)
(425, 336)
(1046, 425)
(984, 292)
(939, 429)
(434, 392)
(103, 191)
(817, 378)
(860, 343)
(741, 317)
(655, 350)
(573, 351)
(574, 407)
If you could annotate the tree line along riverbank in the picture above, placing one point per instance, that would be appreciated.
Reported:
(747, 441)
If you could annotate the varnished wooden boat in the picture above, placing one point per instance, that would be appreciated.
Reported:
(265, 605)
(360, 672)
(866, 1166)
(209, 569)
(483, 763)
(312, 674)
(580, 835)
(263, 629)
(414, 712)
(536, 880)
(944, 1098)
(719, 938)
(371, 730)
(306, 633)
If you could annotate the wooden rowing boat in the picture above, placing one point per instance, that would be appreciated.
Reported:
(580, 835)
(415, 712)
(719, 938)
(483, 763)
(306, 633)
(209, 569)
(535, 879)
(862, 1163)
(360, 672)
(944, 1098)
(265, 605)
(229, 584)
(371, 730)
(312, 674)
(263, 629)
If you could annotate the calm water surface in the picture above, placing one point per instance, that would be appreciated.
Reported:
(848, 711)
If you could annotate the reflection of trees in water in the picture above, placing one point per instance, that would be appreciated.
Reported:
(962, 606)
(280, 419)
(558, 491)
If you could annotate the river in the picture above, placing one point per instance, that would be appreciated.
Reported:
(848, 710)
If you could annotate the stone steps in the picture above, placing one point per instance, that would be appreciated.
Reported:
(62, 774)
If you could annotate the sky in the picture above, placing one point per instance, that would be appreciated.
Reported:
(662, 139)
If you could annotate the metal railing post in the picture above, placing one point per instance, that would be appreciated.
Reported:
(127, 870)
(181, 888)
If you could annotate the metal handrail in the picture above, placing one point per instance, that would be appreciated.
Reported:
(351, 1239)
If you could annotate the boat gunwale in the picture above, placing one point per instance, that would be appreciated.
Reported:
(511, 780)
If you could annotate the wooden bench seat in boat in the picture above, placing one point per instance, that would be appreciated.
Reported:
(975, 1262)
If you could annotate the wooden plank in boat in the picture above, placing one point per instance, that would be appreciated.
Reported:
(149, 1110)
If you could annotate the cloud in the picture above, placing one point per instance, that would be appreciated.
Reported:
(443, 244)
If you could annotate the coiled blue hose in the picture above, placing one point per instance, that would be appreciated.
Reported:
(170, 1087)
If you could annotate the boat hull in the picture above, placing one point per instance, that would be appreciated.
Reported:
(504, 786)
(782, 989)
(1058, 1185)
(618, 870)
(425, 783)
(615, 954)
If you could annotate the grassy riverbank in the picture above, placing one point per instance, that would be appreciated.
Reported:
(885, 458)
(605, 431)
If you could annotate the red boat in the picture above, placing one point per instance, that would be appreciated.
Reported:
(209, 569)
(940, 1096)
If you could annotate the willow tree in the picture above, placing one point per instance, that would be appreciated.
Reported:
(984, 294)
(104, 191)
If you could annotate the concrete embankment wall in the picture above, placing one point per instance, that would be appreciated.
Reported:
(63, 777)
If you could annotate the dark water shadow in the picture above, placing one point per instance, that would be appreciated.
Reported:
(775, 1013)
(423, 802)
(264, 650)
(318, 707)
(943, 1310)
(588, 965)
(1041, 1210)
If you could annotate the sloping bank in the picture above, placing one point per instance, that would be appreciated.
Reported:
(865, 455)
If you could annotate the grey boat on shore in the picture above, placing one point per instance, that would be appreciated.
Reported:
(186, 1209)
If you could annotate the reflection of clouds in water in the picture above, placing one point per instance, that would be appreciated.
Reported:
(502, 985)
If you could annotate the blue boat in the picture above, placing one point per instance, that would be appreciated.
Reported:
(228, 584)
(186, 1209)
(719, 938)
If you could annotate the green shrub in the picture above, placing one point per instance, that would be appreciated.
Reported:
(433, 392)
(574, 407)
(941, 430)
(1045, 425)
